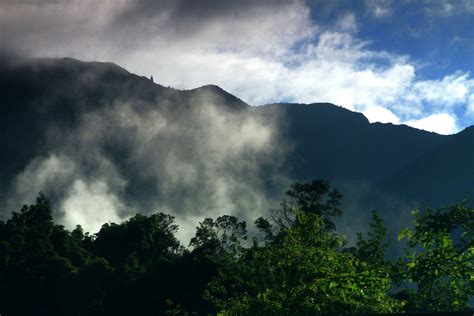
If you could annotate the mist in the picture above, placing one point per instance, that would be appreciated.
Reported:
(144, 156)
(104, 144)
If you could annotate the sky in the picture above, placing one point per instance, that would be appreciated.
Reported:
(404, 62)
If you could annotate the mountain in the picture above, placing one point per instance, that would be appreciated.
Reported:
(93, 135)
(332, 142)
(443, 175)
(44, 96)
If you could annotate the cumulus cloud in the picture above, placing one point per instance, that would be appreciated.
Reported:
(452, 90)
(430, 101)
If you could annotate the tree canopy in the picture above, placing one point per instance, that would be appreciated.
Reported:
(297, 263)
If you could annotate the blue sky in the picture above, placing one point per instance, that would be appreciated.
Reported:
(399, 61)
(436, 36)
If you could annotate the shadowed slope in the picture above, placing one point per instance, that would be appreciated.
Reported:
(332, 142)
(442, 176)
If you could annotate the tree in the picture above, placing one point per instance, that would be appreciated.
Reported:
(220, 236)
(306, 273)
(303, 267)
(39, 261)
(438, 264)
(373, 248)
(315, 197)
(142, 253)
(148, 238)
(265, 227)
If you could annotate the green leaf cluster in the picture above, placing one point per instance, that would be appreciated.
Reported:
(439, 259)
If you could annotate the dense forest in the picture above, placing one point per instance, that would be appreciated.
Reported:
(297, 263)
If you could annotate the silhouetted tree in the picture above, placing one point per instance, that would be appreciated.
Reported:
(40, 260)
(216, 237)
(146, 238)
(315, 197)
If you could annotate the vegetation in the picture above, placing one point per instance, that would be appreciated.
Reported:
(297, 265)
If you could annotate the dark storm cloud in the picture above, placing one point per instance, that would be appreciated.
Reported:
(55, 27)
(196, 11)
(163, 38)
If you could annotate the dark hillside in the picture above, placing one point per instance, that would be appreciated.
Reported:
(442, 176)
(332, 142)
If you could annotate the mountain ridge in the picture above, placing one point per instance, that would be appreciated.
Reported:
(49, 61)
(212, 134)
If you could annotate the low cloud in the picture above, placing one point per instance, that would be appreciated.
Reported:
(90, 205)
(51, 171)
(201, 159)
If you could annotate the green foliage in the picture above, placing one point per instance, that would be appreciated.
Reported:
(372, 249)
(439, 261)
(297, 265)
(266, 228)
(311, 198)
(39, 260)
(305, 274)
(147, 239)
(220, 236)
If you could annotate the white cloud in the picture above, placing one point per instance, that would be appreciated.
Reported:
(448, 7)
(347, 23)
(470, 106)
(263, 52)
(90, 205)
(442, 123)
(379, 8)
(380, 114)
(42, 174)
(450, 91)
(320, 66)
